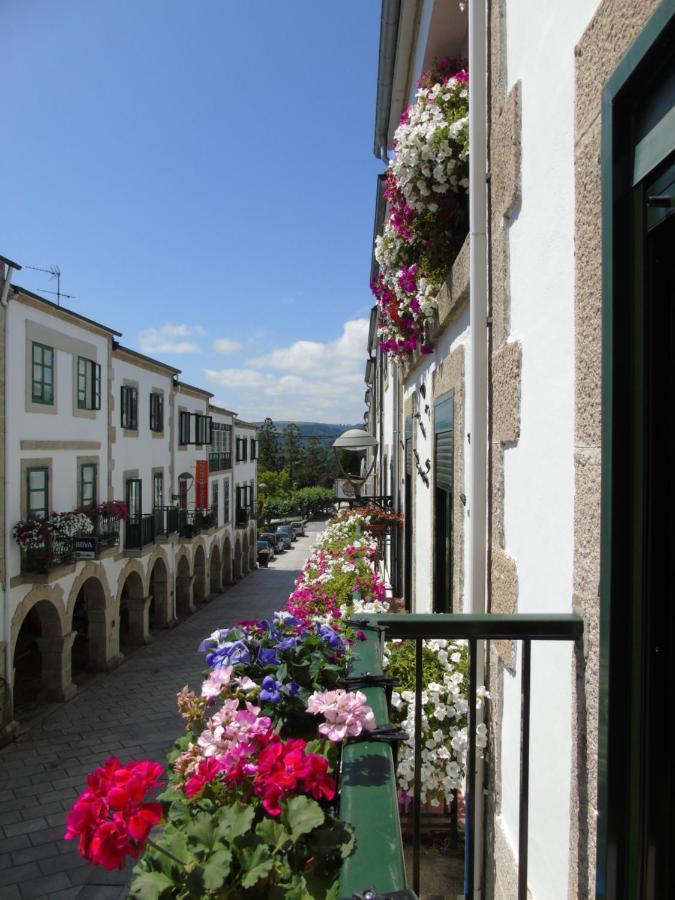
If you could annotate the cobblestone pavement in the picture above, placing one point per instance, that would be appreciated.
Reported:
(130, 712)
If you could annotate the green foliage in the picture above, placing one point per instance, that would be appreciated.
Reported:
(292, 449)
(269, 453)
(238, 851)
(277, 484)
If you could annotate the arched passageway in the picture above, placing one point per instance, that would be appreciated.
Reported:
(184, 600)
(41, 659)
(199, 582)
(134, 612)
(215, 585)
(237, 560)
(161, 608)
(245, 566)
(94, 639)
(227, 563)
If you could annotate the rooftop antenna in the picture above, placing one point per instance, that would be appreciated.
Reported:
(55, 272)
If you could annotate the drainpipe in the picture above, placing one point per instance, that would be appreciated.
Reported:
(477, 387)
(7, 268)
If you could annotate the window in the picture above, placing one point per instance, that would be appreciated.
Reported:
(241, 447)
(184, 428)
(226, 499)
(129, 407)
(134, 497)
(214, 493)
(254, 448)
(88, 484)
(42, 390)
(158, 490)
(221, 438)
(38, 492)
(156, 412)
(194, 428)
(88, 384)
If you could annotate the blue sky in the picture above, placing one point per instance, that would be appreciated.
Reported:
(203, 175)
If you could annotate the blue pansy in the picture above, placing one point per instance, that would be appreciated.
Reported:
(270, 689)
(230, 654)
(287, 643)
(268, 657)
(293, 687)
(331, 637)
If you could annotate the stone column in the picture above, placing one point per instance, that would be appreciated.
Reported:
(139, 619)
(57, 673)
(8, 727)
(104, 652)
(185, 598)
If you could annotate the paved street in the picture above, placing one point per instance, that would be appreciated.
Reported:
(130, 712)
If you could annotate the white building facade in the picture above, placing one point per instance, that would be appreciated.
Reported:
(90, 425)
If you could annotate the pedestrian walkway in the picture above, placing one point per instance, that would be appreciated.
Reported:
(130, 712)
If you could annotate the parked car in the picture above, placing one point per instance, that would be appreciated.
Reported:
(298, 528)
(287, 534)
(264, 551)
(276, 540)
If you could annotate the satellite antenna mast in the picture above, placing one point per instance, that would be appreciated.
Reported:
(55, 272)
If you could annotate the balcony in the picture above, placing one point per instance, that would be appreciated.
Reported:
(56, 551)
(220, 461)
(368, 794)
(208, 517)
(242, 517)
(166, 520)
(106, 530)
(139, 532)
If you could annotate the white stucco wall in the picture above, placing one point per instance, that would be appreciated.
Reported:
(539, 474)
(456, 335)
(142, 451)
(59, 422)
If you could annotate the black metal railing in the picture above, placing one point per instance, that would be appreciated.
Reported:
(220, 460)
(139, 531)
(55, 551)
(368, 788)
(242, 516)
(209, 517)
(166, 520)
(189, 522)
(106, 529)
(384, 501)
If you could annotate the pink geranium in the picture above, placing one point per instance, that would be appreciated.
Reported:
(346, 713)
(216, 682)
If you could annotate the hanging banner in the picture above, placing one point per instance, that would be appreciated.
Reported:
(202, 484)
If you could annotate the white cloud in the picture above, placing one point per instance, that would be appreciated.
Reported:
(310, 380)
(170, 339)
(226, 345)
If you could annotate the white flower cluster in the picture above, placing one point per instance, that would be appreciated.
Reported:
(432, 146)
(444, 725)
(69, 524)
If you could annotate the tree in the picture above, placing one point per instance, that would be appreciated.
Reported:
(313, 463)
(277, 484)
(292, 449)
(269, 456)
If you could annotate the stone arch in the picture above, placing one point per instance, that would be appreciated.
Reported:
(215, 584)
(237, 559)
(161, 606)
(227, 561)
(91, 616)
(184, 599)
(40, 649)
(199, 573)
(133, 605)
(245, 561)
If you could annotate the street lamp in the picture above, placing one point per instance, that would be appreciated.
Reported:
(355, 439)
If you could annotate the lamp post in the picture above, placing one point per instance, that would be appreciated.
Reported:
(355, 439)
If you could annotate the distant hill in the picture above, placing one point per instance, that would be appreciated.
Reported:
(326, 433)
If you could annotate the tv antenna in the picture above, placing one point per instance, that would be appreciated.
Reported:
(55, 272)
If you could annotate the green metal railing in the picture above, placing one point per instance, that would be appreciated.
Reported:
(368, 795)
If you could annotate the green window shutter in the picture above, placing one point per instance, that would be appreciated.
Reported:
(88, 484)
(37, 484)
(42, 378)
(444, 420)
(88, 384)
(158, 490)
